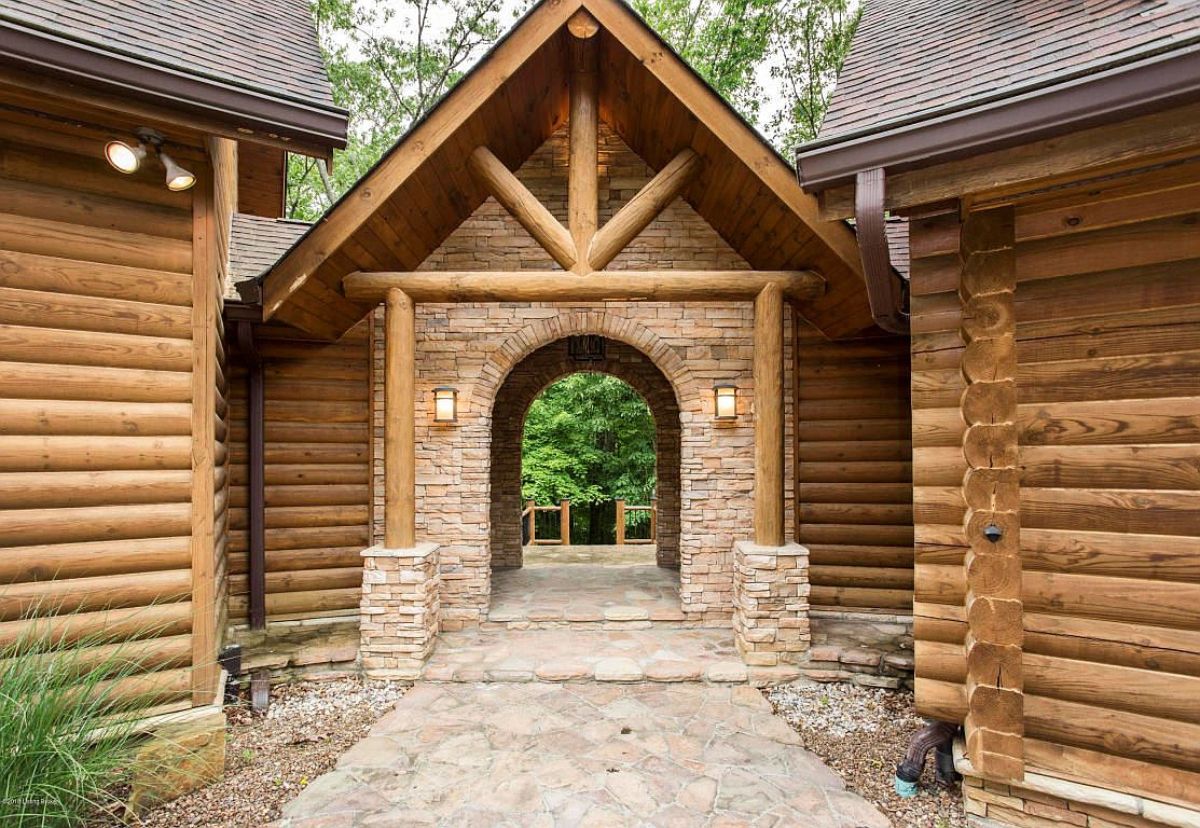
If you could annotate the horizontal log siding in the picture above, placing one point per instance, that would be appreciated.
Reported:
(853, 475)
(95, 399)
(318, 469)
(1108, 387)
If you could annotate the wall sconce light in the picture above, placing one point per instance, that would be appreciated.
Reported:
(128, 159)
(725, 396)
(445, 405)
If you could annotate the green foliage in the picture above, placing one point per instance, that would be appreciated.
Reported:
(589, 439)
(389, 62)
(54, 693)
(781, 56)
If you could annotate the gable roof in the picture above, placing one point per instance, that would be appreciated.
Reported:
(928, 80)
(511, 102)
(258, 58)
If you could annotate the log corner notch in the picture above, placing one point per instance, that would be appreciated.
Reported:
(991, 491)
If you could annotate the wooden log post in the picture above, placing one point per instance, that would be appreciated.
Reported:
(583, 196)
(564, 517)
(991, 491)
(654, 520)
(399, 449)
(620, 521)
(768, 417)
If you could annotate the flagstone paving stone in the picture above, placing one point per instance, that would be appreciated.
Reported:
(591, 754)
(545, 595)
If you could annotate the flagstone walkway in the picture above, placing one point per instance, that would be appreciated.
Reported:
(591, 754)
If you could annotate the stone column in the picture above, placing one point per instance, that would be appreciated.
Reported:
(770, 603)
(399, 610)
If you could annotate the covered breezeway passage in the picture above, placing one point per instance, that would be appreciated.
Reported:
(578, 182)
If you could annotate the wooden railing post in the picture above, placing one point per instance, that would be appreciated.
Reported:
(654, 520)
(399, 442)
(768, 417)
(620, 521)
(532, 507)
(564, 516)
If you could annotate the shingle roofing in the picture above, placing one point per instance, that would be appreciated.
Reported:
(911, 58)
(268, 46)
(255, 245)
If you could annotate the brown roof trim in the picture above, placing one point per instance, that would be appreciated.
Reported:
(1165, 80)
(260, 111)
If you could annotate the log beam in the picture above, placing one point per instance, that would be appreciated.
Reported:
(768, 417)
(643, 208)
(399, 443)
(583, 189)
(553, 286)
(523, 206)
(991, 491)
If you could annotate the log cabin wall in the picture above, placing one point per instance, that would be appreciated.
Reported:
(1107, 323)
(109, 427)
(318, 498)
(853, 470)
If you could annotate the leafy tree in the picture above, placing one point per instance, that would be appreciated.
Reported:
(590, 439)
(796, 45)
(389, 62)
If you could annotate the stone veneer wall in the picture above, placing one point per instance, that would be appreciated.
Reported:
(524, 383)
(474, 346)
(993, 804)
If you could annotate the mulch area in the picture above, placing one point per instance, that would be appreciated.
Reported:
(271, 758)
(862, 733)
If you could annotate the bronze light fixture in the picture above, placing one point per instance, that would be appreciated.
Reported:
(126, 158)
(725, 401)
(445, 404)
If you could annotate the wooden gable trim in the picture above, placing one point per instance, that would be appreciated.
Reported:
(715, 113)
(415, 148)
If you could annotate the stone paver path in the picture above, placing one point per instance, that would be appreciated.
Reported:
(584, 594)
(613, 555)
(658, 654)
(580, 755)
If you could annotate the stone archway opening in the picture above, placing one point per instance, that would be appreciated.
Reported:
(528, 379)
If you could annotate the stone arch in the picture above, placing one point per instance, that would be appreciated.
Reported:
(523, 383)
(520, 344)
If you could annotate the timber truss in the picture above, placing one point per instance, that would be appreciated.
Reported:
(583, 250)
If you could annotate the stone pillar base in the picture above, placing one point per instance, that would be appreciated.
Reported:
(399, 610)
(770, 603)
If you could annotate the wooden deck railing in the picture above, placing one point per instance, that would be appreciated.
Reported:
(529, 520)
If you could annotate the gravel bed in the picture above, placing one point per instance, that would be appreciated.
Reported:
(862, 733)
(269, 759)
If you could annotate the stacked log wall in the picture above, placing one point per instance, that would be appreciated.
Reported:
(1107, 309)
(318, 497)
(97, 327)
(853, 470)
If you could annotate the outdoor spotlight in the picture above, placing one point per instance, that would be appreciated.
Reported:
(177, 177)
(124, 158)
(445, 405)
(128, 159)
(725, 395)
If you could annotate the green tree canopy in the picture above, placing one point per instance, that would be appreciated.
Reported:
(390, 61)
(589, 438)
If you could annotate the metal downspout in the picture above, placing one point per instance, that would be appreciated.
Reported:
(256, 439)
(885, 289)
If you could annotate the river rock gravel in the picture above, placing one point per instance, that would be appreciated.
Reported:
(269, 759)
(862, 733)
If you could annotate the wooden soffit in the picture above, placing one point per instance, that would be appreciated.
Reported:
(512, 102)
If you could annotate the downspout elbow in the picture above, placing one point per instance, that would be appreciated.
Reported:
(885, 290)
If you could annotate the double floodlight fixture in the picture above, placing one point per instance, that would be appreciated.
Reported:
(128, 159)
